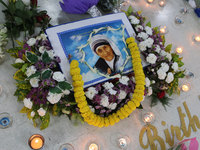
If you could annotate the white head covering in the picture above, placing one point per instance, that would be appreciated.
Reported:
(99, 38)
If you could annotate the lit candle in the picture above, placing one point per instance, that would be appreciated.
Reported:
(162, 3)
(93, 146)
(162, 30)
(150, 1)
(185, 88)
(36, 141)
(148, 117)
(179, 50)
(122, 142)
(197, 38)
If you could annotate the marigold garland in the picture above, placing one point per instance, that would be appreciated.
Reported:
(127, 109)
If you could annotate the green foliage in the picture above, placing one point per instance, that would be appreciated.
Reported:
(64, 85)
(55, 90)
(18, 65)
(32, 58)
(46, 58)
(148, 24)
(129, 11)
(45, 121)
(176, 58)
(37, 74)
(168, 48)
(46, 74)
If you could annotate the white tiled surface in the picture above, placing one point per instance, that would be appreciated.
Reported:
(61, 130)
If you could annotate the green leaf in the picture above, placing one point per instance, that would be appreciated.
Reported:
(37, 74)
(156, 30)
(32, 58)
(55, 90)
(24, 67)
(168, 48)
(175, 57)
(163, 39)
(19, 75)
(72, 103)
(14, 50)
(46, 74)
(64, 85)
(56, 109)
(18, 65)
(25, 110)
(20, 5)
(148, 24)
(11, 8)
(18, 20)
(179, 74)
(19, 13)
(46, 58)
(45, 121)
(23, 85)
(130, 10)
(28, 15)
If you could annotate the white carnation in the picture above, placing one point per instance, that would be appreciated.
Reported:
(122, 95)
(149, 42)
(163, 53)
(134, 20)
(151, 58)
(51, 53)
(32, 114)
(157, 48)
(142, 46)
(138, 27)
(30, 70)
(175, 66)
(169, 56)
(41, 112)
(164, 67)
(147, 82)
(161, 74)
(112, 106)
(112, 92)
(18, 60)
(31, 41)
(108, 85)
(143, 35)
(104, 100)
(170, 77)
(150, 91)
(92, 108)
(124, 80)
(58, 76)
(148, 30)
(34, 82)
(28, 103)
(66, 92)
(91, 93)
(42, 49)
(54, 98)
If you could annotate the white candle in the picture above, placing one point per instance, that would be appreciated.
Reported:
(185, 88)
(179, 50)
(93, 146)
(122, 142)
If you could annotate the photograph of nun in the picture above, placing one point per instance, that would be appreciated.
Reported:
(110, 57)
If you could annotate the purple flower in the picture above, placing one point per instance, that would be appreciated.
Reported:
(57, 59)
(102, 111)
(39, 65)
(38, 95)
(98, 87)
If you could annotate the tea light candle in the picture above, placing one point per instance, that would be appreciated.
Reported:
(148, 117)
(162, 3)
(36, 141)
(150, 1)
(163, 29)
(179, 50)
(197, 38)
(93, 146)
(185, 87)
(122, 142)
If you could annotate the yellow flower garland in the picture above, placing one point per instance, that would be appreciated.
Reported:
(127, 109)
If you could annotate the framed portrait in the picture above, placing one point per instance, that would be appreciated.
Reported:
(97, 43)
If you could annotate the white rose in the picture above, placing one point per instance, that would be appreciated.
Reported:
(26, 2)
(32, 114)
(104, 100)
(149, 42)
(108, 85)
(138, 27)
(42, 49)
(169, 56)
(164, 67)
(112, 106)
(66, 92)
(148, 30)
(54, 98)
(124, 80)
(18, 60)
(147, 82)
(151, 58)
(31, 41)
(112, 92)
(163, 53)
(157, 49)
(92, 108)
(150, 91)
(41, 36)
(161, 74)
(51, 53)
(170, 77)
(30, 70)
(134, 20)
(58, 76)
(28, 103)
(175, 66)
(122, 95)
(34, 82)
(91, 93)
(142, 46)
(142, 35)
(41, 112)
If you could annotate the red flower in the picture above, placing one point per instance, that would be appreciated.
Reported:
(161, 94)
(45, 16)
(34, 2)
(39, 19)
